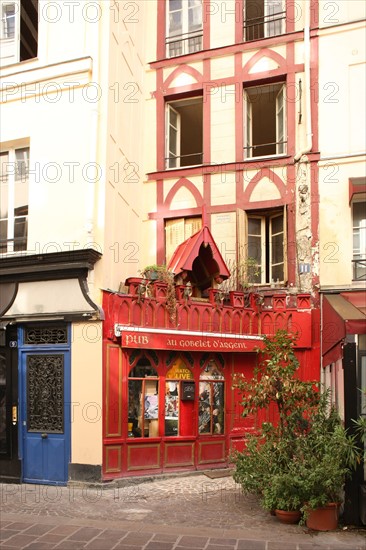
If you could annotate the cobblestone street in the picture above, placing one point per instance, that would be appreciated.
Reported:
(159, 514)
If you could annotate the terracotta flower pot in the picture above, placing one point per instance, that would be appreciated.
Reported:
(291, 516)
(323, 519)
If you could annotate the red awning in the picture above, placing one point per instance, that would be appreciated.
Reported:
(188, 251)
(343, 314)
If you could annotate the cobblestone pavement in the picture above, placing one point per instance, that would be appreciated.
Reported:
(175, 513)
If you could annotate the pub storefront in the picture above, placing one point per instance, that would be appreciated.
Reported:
(169, 399)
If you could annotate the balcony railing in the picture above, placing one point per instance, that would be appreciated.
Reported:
(192, 159)
(265, 149)
(359, 269)
(184, 44)
(264, 27)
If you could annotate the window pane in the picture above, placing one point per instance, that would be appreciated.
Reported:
(175, 5)
(195, 19)
(171, 408)
(277, 272)
(22, 163)
(254, 226)
(359, 213)
(134, 408)
(175, 23)
(4, 167)
(218, 408)
(141, 371)
(277, 249)
(277, 225)
(204, 414)
(211, 371)
(255, 248)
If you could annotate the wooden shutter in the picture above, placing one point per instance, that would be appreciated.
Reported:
(174, 235)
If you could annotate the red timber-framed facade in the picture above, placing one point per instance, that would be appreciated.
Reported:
(233, 147)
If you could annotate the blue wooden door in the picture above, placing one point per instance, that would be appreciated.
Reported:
(46, 425)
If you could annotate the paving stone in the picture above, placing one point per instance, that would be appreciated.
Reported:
(223, 542)
(64, 530)
(19, 541)
(85, 534)
(51, 539)
(193, 542)
(38, 529)
(251, 544)
(158, 545)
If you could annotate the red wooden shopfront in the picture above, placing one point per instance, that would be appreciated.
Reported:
(169, 401)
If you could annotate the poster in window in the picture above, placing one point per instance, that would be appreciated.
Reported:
(151, 407)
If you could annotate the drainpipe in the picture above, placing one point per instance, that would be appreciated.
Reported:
(309, 132)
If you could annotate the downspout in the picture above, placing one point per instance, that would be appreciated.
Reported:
(309, 132)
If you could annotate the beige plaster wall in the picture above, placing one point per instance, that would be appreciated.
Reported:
(86, 393)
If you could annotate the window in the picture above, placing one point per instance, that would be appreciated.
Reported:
(177, 231)
(211, 415)
(359, 240)
(14, 167)
(262, 239)
(143, 400)
(174, 406)
(18, 31)
(184, 133)
(184, 27)
(265, 121)
(264, 18)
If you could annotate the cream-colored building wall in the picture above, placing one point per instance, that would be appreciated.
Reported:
(223, 227)
(342, 11)
(223, 101)
(123, 214)
(223, 188)
(335, 220)
(86, 393)
(341, 90)
(56, 125)
(222, 22)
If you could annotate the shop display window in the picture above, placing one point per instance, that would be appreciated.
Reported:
(173, 396)
(143, 400)
(211, 400)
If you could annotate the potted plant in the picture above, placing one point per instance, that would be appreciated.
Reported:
(160, 273)
(300, 462)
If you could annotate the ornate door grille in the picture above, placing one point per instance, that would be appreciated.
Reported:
(45, 393)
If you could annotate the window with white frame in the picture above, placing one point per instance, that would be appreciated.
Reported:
(14, 168)
(264, 18)
(184, 27)
(184, 133)
(177, 231)
(359, 240)
(262, 237)
(18, 30)
(265, 121)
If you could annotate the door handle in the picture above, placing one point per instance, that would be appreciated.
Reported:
(44, 436)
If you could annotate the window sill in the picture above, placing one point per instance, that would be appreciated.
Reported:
(267, 157)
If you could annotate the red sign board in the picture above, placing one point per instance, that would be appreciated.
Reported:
(188, 342)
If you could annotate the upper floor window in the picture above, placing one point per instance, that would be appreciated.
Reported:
(184, 27)
(359, 240)
(184, 133)
(18, 30)
(265, 121)
(14, 167)
(262, 241)
(264, 18)
(177, 231)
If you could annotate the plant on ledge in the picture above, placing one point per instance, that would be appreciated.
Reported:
(159, 272)
(300, 462)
